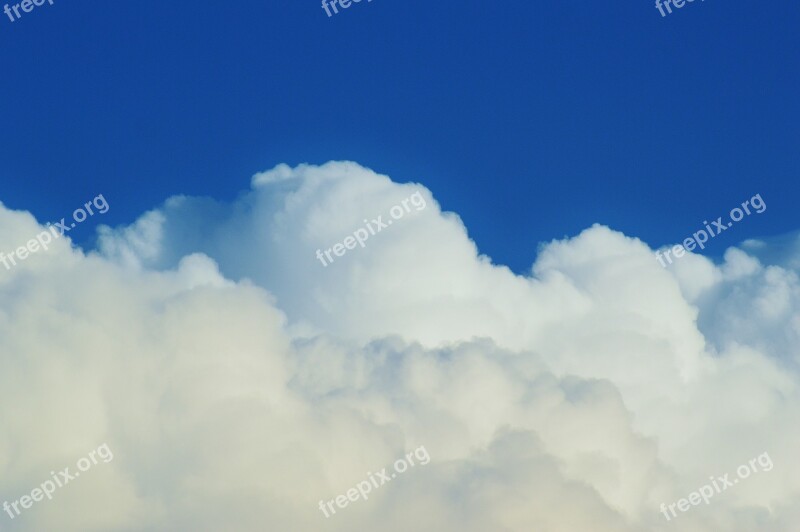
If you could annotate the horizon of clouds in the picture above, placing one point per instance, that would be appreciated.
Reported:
(239, 382)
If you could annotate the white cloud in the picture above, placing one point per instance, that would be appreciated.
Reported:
(239, 381)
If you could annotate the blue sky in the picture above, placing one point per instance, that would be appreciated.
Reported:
(530, 120)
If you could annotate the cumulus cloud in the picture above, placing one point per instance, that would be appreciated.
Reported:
(239, 381)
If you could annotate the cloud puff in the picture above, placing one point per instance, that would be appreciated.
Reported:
(239, 381)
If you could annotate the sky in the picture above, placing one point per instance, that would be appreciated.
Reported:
(431, 266)
(532, 121)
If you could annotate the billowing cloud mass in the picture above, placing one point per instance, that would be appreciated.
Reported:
(239, 381)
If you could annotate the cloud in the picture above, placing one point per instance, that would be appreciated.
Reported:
(239, 381)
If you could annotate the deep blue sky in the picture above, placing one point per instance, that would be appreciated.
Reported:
(532, 120)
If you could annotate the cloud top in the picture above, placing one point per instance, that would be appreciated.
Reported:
(239, 382)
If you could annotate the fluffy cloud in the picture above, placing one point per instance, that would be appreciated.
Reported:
(239, 381)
